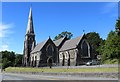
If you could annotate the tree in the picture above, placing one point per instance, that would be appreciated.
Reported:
(117, 26)
(62, 34)
(97, 43)
(6, 63)
(18, 60)
(8, 59)
(111, 47)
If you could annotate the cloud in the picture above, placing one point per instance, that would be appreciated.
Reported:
(5, 29)
(4, 47)
(110, 8)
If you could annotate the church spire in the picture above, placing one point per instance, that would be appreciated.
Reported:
(30, 23)
(29, 40)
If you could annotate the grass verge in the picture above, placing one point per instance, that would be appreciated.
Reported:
(61, 70)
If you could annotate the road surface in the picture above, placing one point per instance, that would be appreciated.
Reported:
(11, 76)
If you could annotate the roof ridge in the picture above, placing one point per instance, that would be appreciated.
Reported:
(58, 42)
(70, 44)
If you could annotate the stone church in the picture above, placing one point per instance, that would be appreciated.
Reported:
(62, 52)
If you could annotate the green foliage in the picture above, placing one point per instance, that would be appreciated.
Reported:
(94, 39)
(63, 34)
(118, 33)
(10, 59)
(18, 60)
(118, 26)
(6, 63)
(111, 47)
(111, 61)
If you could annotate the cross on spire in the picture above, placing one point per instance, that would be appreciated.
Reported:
(84, 31)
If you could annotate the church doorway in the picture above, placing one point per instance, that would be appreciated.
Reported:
(49, 62)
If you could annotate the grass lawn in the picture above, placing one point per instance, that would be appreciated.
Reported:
(60, 70)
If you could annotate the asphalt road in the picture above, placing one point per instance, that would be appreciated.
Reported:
(11, 76)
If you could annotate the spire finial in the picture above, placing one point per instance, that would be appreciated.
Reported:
(30, 6)
(83, 31)
(30, 12)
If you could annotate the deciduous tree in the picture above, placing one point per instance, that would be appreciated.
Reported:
(62, 34)
(96, 41)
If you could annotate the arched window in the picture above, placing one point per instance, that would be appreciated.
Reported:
(85, 49)
(50, 50)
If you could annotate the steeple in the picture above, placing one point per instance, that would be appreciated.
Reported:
(29, 42)
(30, 23)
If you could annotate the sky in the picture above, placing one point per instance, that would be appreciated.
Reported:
(51, 18)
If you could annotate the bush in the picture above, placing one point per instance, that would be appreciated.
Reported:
(6, 63)
(8, 59)
(109, 61)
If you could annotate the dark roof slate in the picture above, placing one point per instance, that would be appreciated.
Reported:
(59, 41)
(70, 44)
(39, 46)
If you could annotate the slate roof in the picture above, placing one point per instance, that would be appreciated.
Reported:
(59, 41)
(39, 46)
(70, 44)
